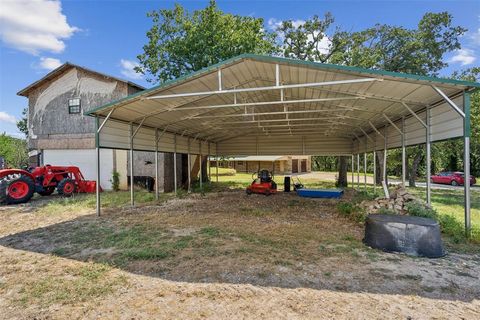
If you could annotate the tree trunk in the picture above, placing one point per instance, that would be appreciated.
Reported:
(380, 174)
(413, 170)
(342, 180)
(205, 176)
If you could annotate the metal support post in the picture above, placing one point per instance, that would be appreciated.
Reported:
(374, 171)
(429, 159)
(97, 183)
(99, 128)
(365, 170)
(385, 157)
(175, 163)
(403, 153)
(466, 161)
(200, 162)
(132, 194)
(189, 169)
(216, 158)
(156, 165)
(358, 170)
(209, 164)
(353, 171)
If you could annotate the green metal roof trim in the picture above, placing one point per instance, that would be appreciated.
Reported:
(311, 64)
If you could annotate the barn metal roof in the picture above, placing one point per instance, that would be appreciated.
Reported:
(262, 96)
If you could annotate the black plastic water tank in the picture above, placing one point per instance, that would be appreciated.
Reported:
(414, 236)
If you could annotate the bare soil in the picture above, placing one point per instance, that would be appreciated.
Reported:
(222, 255)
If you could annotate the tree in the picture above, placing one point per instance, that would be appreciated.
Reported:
(22, 124)
(14, 151)
(392, 48)
(180, 42)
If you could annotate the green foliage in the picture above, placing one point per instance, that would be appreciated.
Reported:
(451, 226)
(448, 223)
(346, 208)
(115, 180)
(210, 231)
(418, 209)
(386, 47)
(146, 253)
(180, 42)
(14, 151)
(385, 211)
(351, 211)
(419, 50)
(22, 124)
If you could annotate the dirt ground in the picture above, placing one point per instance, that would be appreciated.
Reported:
(222, 255)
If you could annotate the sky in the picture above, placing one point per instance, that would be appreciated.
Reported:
(36, 36)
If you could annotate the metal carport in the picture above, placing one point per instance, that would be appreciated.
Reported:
(262, 105)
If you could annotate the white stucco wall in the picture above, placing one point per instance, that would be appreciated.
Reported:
(85, 160)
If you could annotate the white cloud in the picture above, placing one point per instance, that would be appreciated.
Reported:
(273, 23)
(476, 37)
(34, 25)
(324, 44)
(8, 118)
(127, 69)
(49, 63)
(464, 57)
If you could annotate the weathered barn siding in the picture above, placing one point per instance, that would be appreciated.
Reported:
(50, 124)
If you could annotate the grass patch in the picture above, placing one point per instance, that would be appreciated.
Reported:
(223, 171)
(210, 231)
(256, 212)
(147, 253)
(108, 199)
(77, 284)
(351, 211)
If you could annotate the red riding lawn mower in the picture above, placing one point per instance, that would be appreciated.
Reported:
(18, 186)
(263, 184)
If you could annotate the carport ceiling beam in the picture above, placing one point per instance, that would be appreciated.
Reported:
(266, 103)
(287, 125)
(376, 130)
(105, 120)
(414, 114)
(366, 135)
(291, 119)
(286, 86)
(393, 124)
(239, 115)
(247, 104)
(449, 101)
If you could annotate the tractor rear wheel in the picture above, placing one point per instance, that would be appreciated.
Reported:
(66, 187)
(16, 188)
(46, 191)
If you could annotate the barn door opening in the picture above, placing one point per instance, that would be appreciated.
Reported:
(294, 165)
(304, 165)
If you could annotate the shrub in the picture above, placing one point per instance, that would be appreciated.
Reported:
(417, 209)
(115, 180)
(451, 227)
(385, 211)
(346, 208)
(351, 211)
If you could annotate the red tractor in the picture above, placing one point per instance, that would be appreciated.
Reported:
(263, 184)
(18, 186)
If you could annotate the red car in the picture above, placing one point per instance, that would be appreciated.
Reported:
(453, 178)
